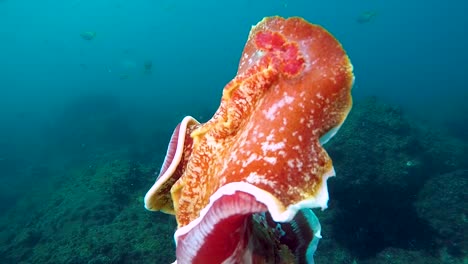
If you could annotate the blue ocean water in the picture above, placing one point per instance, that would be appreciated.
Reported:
(70, 106)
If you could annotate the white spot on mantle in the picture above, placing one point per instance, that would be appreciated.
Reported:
(254, 178)
(285, 100)
(271, 160)
(272, 146)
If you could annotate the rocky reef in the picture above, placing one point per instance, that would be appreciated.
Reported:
(94, 216)
(383, 161)
(443, 202)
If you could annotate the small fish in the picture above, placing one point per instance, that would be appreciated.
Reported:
(366, 17)
(88, 35)
(148, 65)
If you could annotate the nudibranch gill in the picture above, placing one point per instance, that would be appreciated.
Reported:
(242, 185)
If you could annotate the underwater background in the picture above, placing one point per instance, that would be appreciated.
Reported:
(90, 92)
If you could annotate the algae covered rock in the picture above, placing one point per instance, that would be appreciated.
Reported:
(94, 215)
(382, 159)
(443, 201)
(401, 256)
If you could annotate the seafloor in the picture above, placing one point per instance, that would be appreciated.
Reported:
(400, 195)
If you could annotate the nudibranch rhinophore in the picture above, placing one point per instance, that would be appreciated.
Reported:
(242, 185)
